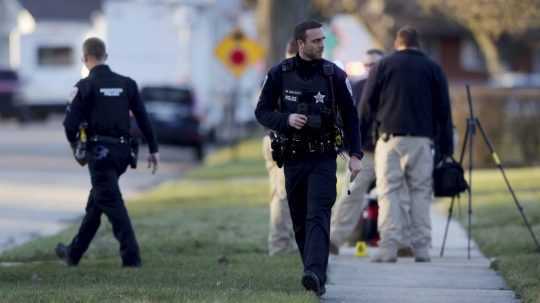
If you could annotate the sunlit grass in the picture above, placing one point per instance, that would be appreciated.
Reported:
(202, 239)
(498, 227)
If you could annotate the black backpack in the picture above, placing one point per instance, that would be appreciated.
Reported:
(448, 178)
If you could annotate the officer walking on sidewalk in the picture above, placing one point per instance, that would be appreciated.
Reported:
(301, 99)
(406, 95)
(103, 100)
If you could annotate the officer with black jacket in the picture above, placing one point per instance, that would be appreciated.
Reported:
(406, 96)
(301, 99)
(103, 101)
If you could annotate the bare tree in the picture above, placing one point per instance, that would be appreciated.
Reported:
(488, 20)
(381, 22)
(276, 21)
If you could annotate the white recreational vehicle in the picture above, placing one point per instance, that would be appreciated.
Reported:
(45, 49)
(159, 42)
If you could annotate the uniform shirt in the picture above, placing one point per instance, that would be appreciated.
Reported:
(267, 108)
(104, 100)
(407, 93)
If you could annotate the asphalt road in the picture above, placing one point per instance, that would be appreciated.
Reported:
(42, 188)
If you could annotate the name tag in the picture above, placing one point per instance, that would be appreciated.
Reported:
(291, 98)
(111, 92)
(293, 92)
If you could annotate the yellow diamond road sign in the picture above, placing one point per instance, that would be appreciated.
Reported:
(237, 52)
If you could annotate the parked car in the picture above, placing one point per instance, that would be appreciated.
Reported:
(171, 110)
(9, 93)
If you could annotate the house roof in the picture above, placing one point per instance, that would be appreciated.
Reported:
(62, 10)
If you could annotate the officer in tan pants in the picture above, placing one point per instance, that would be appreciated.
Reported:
(281, 235)
(406, 96)
(348, 209)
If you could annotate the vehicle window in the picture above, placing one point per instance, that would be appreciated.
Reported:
(168, 110)
(55, 56)
(173, 95)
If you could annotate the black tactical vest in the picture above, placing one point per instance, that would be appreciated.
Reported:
(311, 97)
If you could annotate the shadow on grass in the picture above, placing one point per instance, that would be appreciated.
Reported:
(202, 239)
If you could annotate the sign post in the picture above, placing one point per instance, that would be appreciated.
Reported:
(237, 53)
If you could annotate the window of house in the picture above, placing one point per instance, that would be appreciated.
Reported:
(55, 56)
(470, 57)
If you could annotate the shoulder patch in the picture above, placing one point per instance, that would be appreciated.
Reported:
(349, 87)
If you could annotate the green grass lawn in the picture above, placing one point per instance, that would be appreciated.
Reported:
(203, 239)
(499, 229)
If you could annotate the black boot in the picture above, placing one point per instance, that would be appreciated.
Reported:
(62, 252)
(313, 283)
(136, 264)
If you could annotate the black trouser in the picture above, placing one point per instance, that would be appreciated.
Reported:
(311, 190)
(106, 164)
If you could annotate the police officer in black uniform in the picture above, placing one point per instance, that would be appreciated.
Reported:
(301, 99)
(103, 100)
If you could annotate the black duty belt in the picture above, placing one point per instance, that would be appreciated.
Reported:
(313, 146)
(108, 139)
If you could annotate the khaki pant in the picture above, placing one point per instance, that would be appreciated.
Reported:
(348, 208)
(404, 162)
(281, 235)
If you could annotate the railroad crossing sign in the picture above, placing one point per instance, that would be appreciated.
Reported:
(237, 52)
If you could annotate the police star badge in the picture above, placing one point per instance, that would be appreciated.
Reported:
(319, 98)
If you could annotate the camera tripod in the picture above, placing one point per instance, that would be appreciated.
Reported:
(468, 142)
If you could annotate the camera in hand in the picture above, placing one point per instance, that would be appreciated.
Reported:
(313, 121)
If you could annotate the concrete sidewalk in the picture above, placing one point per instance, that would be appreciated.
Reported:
(452, 278)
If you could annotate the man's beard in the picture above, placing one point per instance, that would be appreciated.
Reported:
(314, 55)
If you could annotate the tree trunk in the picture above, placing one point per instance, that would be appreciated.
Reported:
(490, 51)
(277, 20)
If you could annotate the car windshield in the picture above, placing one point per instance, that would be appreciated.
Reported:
(167, 110)
(167, 94)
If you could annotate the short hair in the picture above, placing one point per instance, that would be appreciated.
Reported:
(292, 47)
(408, 36)
(375, 51)
(94, 47)
(301, 28)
